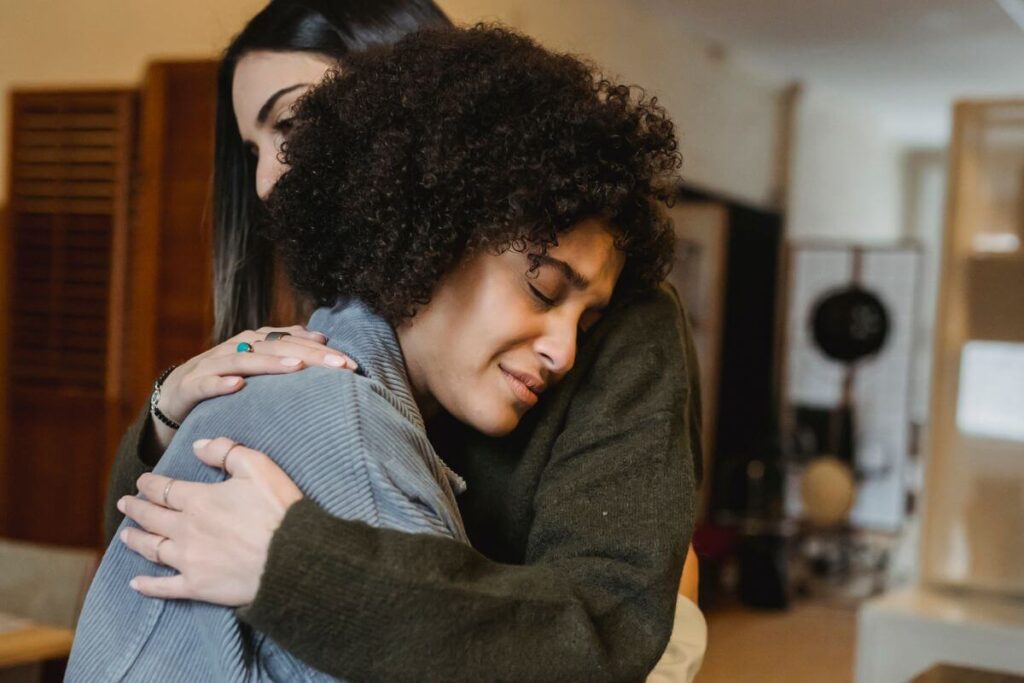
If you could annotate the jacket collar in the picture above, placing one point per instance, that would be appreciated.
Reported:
(355, 330)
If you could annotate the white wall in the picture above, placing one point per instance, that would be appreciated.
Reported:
(727, 119)
(846, 177)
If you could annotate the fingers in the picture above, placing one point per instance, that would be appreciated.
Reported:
(154, 547)
(152, 486)
(309, 352)
(293, 340)
(224, 453)
(267, 353)
(150, 516)
(166, 587)
(220, 375)
(296, 331)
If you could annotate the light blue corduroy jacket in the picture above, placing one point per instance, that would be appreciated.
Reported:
(353, 443)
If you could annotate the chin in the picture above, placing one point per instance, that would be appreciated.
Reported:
(497, 428)
(498, 422)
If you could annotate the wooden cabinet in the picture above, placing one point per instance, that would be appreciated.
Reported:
(106, 248)
(170, 315)
(65, 244)
(974, 487)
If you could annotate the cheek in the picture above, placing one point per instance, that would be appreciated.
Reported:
(268, 170)
(488, 313)
(480, 318)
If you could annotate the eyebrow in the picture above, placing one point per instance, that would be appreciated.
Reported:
(571, 274)
(261, 117)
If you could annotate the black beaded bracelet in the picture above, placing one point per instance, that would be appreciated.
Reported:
(155, 398)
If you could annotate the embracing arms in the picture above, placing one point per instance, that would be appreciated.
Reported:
(610, 514)
(216, 372)
(594, 598)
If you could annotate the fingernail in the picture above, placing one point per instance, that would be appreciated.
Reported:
(123, 535)
(201, 443)
(335, 361)
(231, 382)
(290, 362)
(121, 505)
(322, 336)
(134, 584)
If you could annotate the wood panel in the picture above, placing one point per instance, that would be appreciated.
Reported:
(69, 195)
(5, 328)
(171, 311)
(974, 487)
(57, 449)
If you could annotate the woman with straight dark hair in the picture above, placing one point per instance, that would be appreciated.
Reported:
(244, 269)
(530, 508)
(280, 54)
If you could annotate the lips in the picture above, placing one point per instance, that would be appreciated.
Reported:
(525, 387)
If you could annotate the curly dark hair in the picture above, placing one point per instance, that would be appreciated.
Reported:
(454, 140)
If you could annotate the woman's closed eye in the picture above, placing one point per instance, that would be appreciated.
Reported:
(587, 320)
(544, 300)
(284, 125)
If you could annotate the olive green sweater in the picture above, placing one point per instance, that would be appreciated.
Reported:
(579, 522)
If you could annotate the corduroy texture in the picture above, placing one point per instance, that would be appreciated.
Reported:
(355, 445)
(579, 521)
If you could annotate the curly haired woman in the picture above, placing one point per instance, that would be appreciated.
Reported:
(463, 206)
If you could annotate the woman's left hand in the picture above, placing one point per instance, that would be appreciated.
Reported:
(216, 535)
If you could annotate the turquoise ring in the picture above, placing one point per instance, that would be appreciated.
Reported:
(244, 347)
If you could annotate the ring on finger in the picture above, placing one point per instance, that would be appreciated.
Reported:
(224, 460)
(167, 492)
(244, 347)
(276, 335)
(156, 551)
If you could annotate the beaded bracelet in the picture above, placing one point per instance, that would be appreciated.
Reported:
(155, 398)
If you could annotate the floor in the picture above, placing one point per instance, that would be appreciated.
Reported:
(810, 642)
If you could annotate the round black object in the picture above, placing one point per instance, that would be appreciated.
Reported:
(849, 324)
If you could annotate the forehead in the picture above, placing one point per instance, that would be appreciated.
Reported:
(260, 74)
(590, 249)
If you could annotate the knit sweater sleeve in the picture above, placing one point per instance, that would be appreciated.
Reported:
(594, 598)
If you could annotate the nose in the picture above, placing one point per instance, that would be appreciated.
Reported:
(268, 169)
(557, 346)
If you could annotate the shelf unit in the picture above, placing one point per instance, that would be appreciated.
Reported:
(974, 488)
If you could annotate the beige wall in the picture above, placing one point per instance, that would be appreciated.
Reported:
(69, 43)
(727, 118)
(846, 175)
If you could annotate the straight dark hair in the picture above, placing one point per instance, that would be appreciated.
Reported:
(243, 264)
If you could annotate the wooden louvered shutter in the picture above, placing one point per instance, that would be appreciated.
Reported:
(67, 232)
(171, 312)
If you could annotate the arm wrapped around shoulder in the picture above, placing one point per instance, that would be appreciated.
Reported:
(342, 441)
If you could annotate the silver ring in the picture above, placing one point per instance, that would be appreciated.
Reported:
(156, 551)
(167, 490)
(224, 460)
(275, 335)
